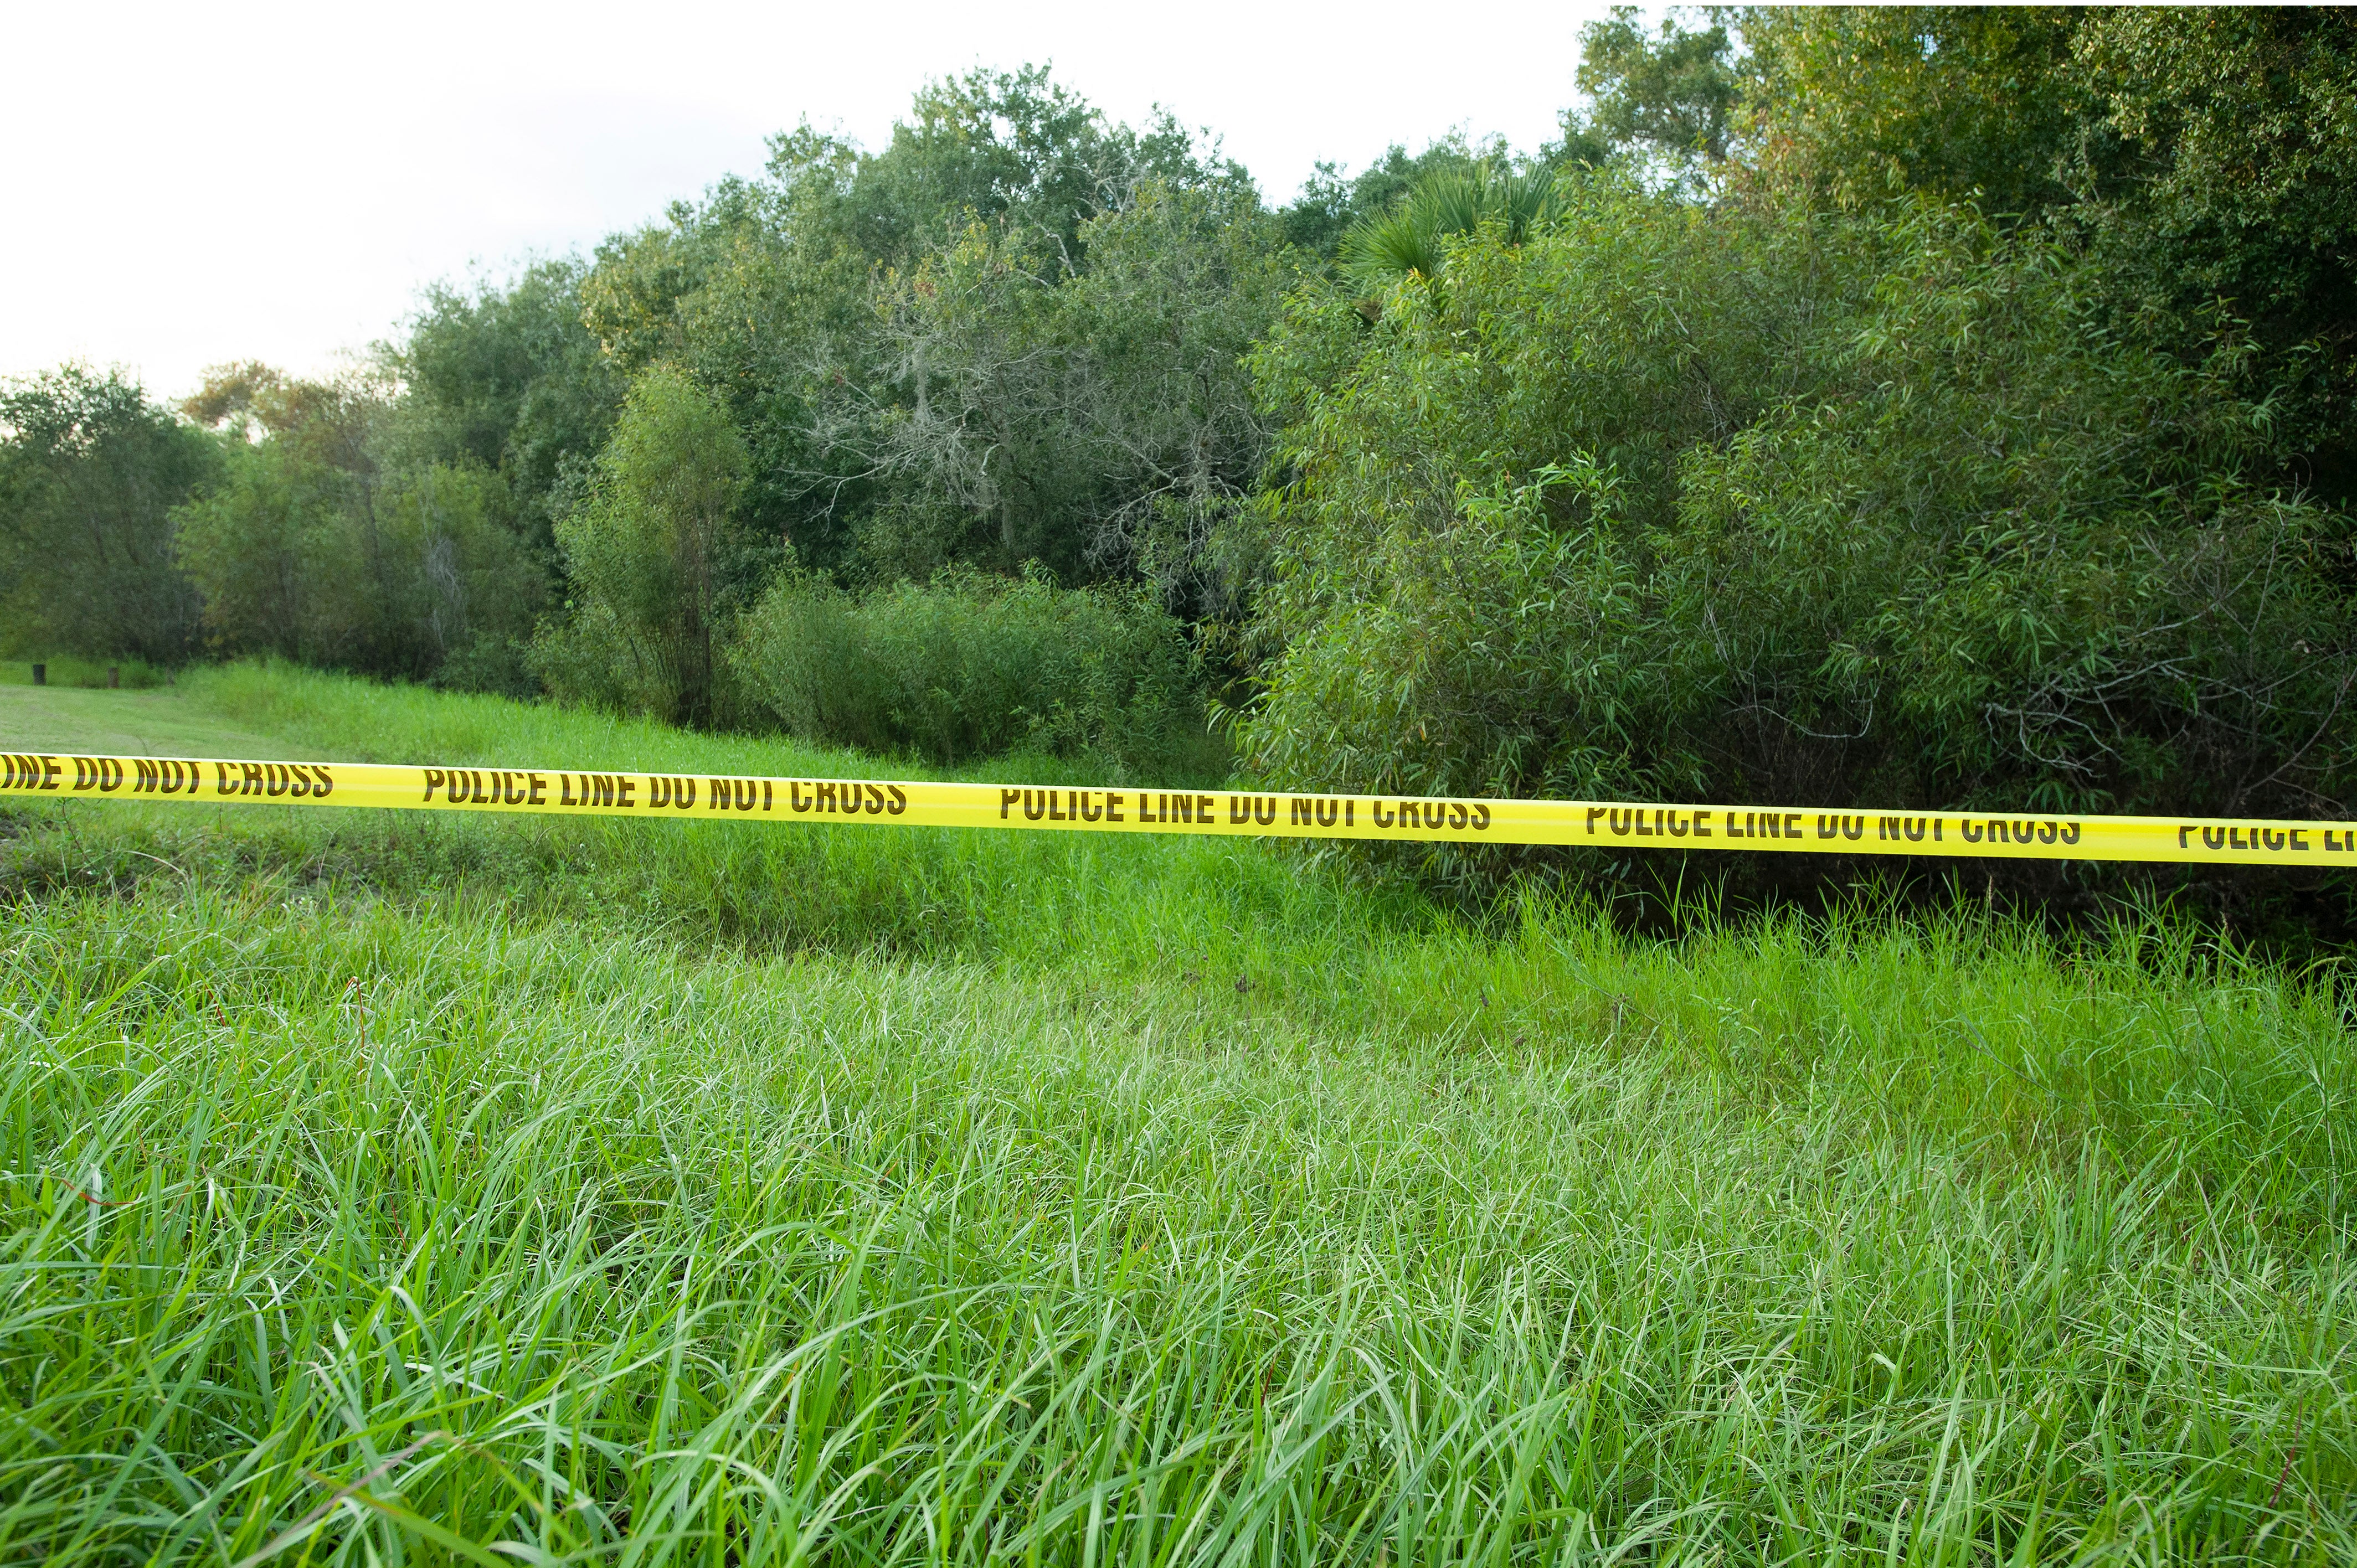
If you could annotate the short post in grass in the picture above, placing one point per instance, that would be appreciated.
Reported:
(40, 674)
(113, 677)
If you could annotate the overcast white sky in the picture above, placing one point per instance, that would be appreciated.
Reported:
(183, 185)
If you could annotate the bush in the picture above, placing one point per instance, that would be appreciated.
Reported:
(1752, 506)
(972, 665)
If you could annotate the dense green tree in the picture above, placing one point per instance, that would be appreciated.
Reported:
(1672, 93)
(2219, 195)
(655, 557)
(1101, 421)
(509, 377)
(1017, 151)
(2201, 158)
(1762, 504)
(315, 547)
(971, 664)
(812, 301)
(424, 581)
(89, 471)
(1958, 102)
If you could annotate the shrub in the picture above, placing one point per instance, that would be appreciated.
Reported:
(1756, 506)
(971, 665)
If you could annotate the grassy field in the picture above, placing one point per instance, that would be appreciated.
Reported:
(381, 1190)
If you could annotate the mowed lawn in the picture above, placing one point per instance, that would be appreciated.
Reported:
(384, 1189)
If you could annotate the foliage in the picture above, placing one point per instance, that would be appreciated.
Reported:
(1408, 240)
(655, 559)
(277, 557)
(2226, 211)
(508, 377)
(89, 471)
(1672, 94)
(309, 548)
(1957, 102)
(1099, 420)
(968, 666)
(801, 299)
(2202, 160)
(1768, 507)
(1019, 152)
(1329, 204)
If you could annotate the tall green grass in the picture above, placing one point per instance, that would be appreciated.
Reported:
(934, 892)
(1182, 1204)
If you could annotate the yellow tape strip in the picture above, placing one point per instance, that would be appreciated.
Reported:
(887, 802)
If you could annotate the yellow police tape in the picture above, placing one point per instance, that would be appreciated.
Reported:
(1618, 824)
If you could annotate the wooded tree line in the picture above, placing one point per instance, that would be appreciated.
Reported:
(1912, 406)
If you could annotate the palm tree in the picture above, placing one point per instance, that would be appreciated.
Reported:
(1407, 241)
